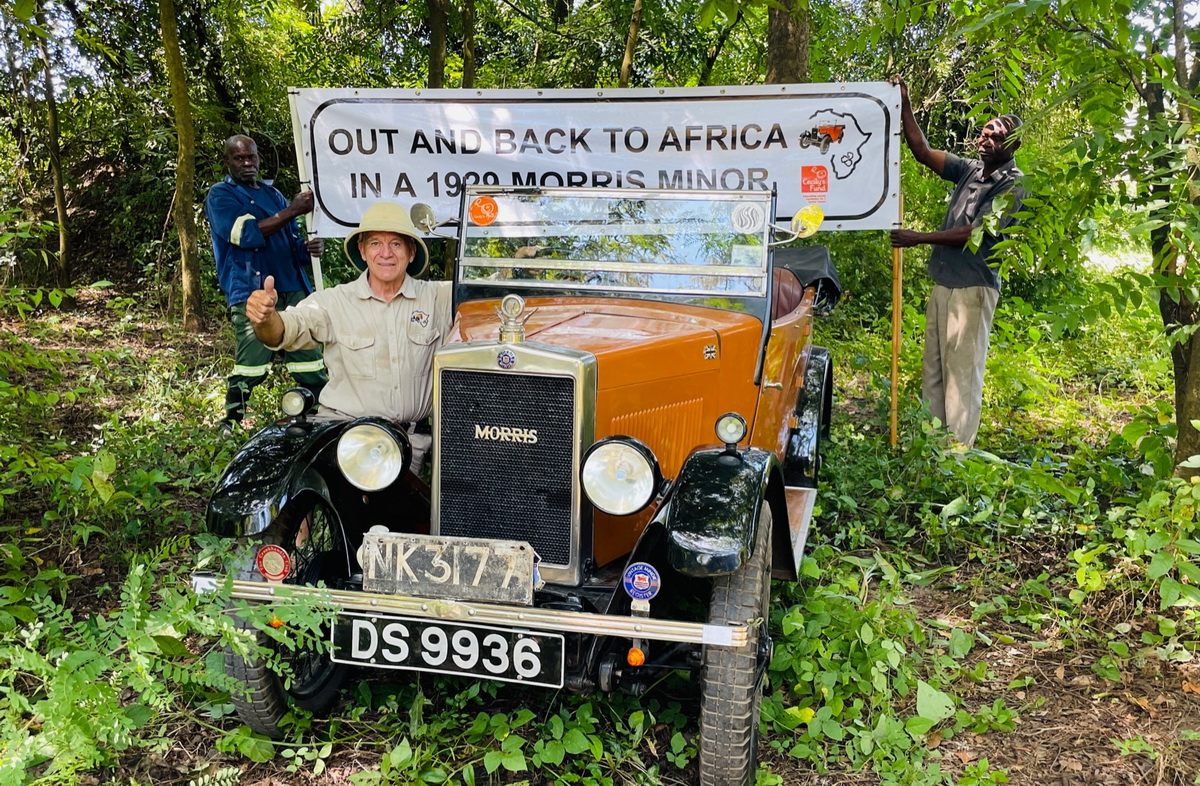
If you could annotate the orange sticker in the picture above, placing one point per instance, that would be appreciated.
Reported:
(483, 211)
(814, 180)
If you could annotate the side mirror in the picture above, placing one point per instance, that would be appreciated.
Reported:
(807, 220)
(422, 217)
(805, 223)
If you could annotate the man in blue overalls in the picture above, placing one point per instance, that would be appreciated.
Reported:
(254, 235)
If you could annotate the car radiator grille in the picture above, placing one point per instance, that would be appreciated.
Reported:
(510, 490)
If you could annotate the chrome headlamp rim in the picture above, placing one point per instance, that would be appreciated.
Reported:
(371, 456)
(651, 476)
(296, 401)
(730, 425)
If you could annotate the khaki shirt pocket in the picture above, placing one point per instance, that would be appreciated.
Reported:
(425, 341)
(423, 336)
(358, 354)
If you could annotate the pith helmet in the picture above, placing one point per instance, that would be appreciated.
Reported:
(388, 217)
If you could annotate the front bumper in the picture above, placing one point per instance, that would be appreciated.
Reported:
(527, 617)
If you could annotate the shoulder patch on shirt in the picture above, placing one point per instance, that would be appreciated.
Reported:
(420, 318)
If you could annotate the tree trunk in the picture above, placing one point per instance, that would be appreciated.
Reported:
(62, 269)
(1186, 359)
(635, 25)
(437, 43)
(468, 16)
(787, 43)
(185, 171)
(1185, 355)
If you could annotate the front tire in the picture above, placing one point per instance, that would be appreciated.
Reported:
(263, 700)
(732, 678)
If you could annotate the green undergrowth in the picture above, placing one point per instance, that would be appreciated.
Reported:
(1064, 531)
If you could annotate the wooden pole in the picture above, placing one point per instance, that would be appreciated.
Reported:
(897, 318)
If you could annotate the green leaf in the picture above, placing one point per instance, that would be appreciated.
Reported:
(932, 703)
(1190, 571)
(954, 507)
(256, 747)
(918, 726)
(171, 647)
(139, 714)
(514, 761)
(401, 755)
(24, 10)
(553, 752)
(961, 643)
(1169, 591)
(1188, 545)
(1160, 565)
(104, 465)
(575, 741)
(1147, 226)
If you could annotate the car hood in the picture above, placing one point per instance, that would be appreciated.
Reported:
(633, 340)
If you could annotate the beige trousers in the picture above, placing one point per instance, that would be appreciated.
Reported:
(957, 324)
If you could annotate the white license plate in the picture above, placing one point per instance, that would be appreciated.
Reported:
(496, 571)
(527, 657)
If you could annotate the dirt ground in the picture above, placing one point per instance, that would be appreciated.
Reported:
(1073, 727)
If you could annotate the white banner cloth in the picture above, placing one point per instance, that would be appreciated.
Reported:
(836, 145)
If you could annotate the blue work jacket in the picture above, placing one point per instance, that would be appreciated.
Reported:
(244, 257)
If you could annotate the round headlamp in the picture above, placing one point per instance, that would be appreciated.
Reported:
(620, 475)
(370, 457)
(297, 401)
(731, 429)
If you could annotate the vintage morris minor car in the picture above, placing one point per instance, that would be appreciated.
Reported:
(627, 419)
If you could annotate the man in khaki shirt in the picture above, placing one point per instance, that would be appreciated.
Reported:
(380, 331)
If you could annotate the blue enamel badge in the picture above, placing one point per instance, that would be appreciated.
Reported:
(506, 359)
(642, 581)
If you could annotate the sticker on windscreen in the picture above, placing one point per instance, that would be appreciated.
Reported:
(748, 218)
(483, 211)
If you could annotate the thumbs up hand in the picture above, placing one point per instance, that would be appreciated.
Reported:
(260, 307)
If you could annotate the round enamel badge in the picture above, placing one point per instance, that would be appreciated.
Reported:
(642, 581)
(273, 563)
(506, 359)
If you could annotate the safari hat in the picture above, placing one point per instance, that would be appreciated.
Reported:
(388, 217)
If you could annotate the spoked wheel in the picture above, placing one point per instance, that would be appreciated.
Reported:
(732, 678)
(315, 679)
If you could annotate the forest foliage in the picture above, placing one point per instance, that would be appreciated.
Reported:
(1076, 526)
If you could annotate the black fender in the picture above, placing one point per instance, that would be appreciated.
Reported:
(710, 516)
(263, 476)
(290, 460)
(814, 405)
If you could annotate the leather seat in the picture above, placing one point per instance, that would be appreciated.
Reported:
(786, 292)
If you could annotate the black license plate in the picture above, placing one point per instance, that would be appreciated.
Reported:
(507, 654)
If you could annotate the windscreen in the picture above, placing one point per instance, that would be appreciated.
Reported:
(686, 243)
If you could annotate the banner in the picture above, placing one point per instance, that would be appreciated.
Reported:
(834, 145)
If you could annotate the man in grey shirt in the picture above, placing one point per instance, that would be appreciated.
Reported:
(966, 288)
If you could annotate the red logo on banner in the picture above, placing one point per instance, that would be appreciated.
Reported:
(814, 180)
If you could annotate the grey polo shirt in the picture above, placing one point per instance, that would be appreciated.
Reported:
(379, 353)
(958, 268)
